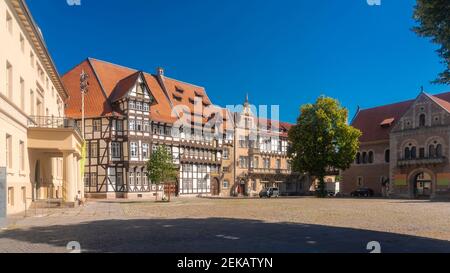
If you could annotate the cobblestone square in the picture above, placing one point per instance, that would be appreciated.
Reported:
(193, 225)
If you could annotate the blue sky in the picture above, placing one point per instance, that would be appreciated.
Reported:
(280, 52)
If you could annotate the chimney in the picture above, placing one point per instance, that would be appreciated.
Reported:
(160, 71)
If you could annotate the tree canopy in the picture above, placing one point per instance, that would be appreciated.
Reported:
(433, 18)
(160, 167)
(322, 140)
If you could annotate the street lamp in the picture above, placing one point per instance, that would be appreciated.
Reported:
(84, 88)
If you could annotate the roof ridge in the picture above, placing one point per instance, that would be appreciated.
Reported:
(405, 101)
(195, 85)
(114, 64)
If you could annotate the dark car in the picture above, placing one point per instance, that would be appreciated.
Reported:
(269, 192)
(363, 192)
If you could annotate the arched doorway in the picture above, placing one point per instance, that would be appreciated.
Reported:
(422, 185)
(242, 188)
(215, 187)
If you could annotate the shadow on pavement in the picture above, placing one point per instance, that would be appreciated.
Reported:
(215, 235)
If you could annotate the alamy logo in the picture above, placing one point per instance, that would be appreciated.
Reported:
(374, 2)
(74, 2)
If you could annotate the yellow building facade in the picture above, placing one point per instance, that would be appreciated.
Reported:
(39, 148)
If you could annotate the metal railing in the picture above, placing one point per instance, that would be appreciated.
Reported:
(421, 161)
(269, 171)
(53, 123)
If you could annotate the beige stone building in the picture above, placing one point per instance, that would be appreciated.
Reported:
(405, 149)
(39, 148)
(260, 156)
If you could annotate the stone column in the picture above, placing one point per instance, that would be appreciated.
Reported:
(80, 179)
(69, 183)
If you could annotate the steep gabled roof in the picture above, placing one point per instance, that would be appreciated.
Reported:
(124, 86)
(370, 121)
(96, 103)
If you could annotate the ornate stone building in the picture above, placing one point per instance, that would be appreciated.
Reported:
(405, 149)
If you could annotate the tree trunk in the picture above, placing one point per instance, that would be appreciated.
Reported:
(156, 196)
(322, 193)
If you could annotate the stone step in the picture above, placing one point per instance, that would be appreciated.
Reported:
(47, 204)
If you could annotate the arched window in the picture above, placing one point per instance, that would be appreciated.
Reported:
(422, 120)
(364, 158)
(358, 158)
(439, 150)
(431, 151)
(407, 153)
(371, 157)
(413, 152)
(387, 156)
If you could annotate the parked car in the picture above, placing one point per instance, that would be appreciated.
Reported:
(363, 192)
(269, 192)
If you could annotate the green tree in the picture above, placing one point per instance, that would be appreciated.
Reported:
(322, 140)
(433, 18)
(161, 170)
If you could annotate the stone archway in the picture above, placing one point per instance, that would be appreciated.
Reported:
(422, 184)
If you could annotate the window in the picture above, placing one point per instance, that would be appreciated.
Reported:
(266, 162)
(22, 155)
(97, 125)
(131, 178)
(146, 107)
(132, 105)
(364, 158)
(413, 153)
(22, 94)
(9, 151)
(86, 180)
(10, 196)
(134, 149)
(115, 150)
(119, 125)
(407, 153)
(422, 120)
(371, 157)
(9, 23)
(358, 158)
(139, 125)
(387, 156)
(93, 180)
(9, 80)
(439, 150)
(22, 43)
(278, 164)
(139, 106)
(226, 184)
(132, 125)
(360, 181)
(32, 59)
(138, 179)
(146, 126)
(93, 150)
(243, 162)
(145, 151)
(31, 102)
(226, 154)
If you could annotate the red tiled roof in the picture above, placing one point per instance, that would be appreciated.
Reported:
(95, 99)
(369, 121)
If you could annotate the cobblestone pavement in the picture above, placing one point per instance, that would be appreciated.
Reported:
(204, 225)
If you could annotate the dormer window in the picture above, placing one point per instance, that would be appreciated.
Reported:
(179, 90)
(177, 98)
